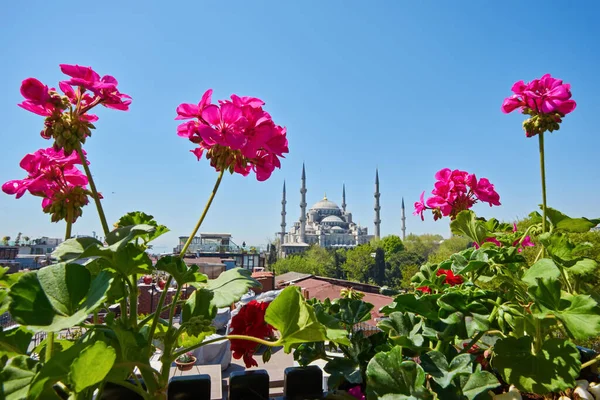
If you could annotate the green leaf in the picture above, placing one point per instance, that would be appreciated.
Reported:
(479, 382)
(130, 259)
(353, 311)
(583, 267)
(467, 224)
(121, 236)
(342, 369)
(54, 300)
(73, 249)
(65, 285)
(54, 370)
(552, 369)
(566, 223)
(387, 374)
(333, 329)
(92, 365)
(294, 319)
(403, 329)
(579, 314)
(16, 377)
(230, 286)
(435, 364)
(460, 308)
(14, 341)
(6, 279)
(544, 268)
(175, 266)
(423, 305)
(199, 304)
(140, 218)
(57, 347)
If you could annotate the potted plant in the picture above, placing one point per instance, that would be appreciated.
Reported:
(147, 279)
(186, 361)
(107, 273)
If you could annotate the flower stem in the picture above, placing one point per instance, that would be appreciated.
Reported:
(208, 203)
(50, 336)
(228, 337)
(163, 296)
(94, 191)
(543, 174)
(591, 362)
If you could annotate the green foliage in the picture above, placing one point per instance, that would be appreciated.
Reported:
(230, 286)
(360, 264)
(448, 247)
(391, 244)
(16, 377)
(388, 376)
(553, 368)
(92, 365)
(423, 245)
(14, 341)
(57, 297)
(294, 319)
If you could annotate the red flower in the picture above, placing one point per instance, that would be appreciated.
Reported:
(249, 321)
(424, 289)
(451, 279)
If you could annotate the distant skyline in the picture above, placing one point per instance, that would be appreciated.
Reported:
(405, 87)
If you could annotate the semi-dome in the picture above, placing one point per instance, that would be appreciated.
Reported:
(325, 205)
(332, 218)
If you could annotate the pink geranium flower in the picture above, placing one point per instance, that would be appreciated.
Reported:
(547, 100)
(455, 191)
(53, 176)
(85, 90)
(234, 134)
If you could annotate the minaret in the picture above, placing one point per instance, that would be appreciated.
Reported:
(303, 207)
(403, 221)
(283, 203)
(377, 207)
(344, 198)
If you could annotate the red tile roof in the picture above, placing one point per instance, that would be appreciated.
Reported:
(262, 274)
(321, 290)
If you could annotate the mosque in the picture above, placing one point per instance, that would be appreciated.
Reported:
(326, 224)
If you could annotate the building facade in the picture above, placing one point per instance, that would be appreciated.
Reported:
(324, 224)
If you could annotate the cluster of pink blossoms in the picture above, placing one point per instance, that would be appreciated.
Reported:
(547, 100)
(67, 118)
(454, 192)
(237, 134)
(53, 176)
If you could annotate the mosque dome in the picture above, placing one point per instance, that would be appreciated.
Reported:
(332, 220)
(325, 205)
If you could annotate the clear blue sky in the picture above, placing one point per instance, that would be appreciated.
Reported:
(410, 87)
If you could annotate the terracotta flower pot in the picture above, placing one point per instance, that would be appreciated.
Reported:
(185, 366)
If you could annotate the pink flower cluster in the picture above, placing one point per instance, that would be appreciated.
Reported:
(54, 177)
(236, 134)
(546, 99)
(85, 90)
(454, 192)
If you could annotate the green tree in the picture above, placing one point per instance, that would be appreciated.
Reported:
(391, 244)
(5, 240)
(423, 245)
(295, 263)
(359, 263)
(26, 239)
(18, 239)
(272, 257)
(320, 261)
(399, 268)
(448, 247)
